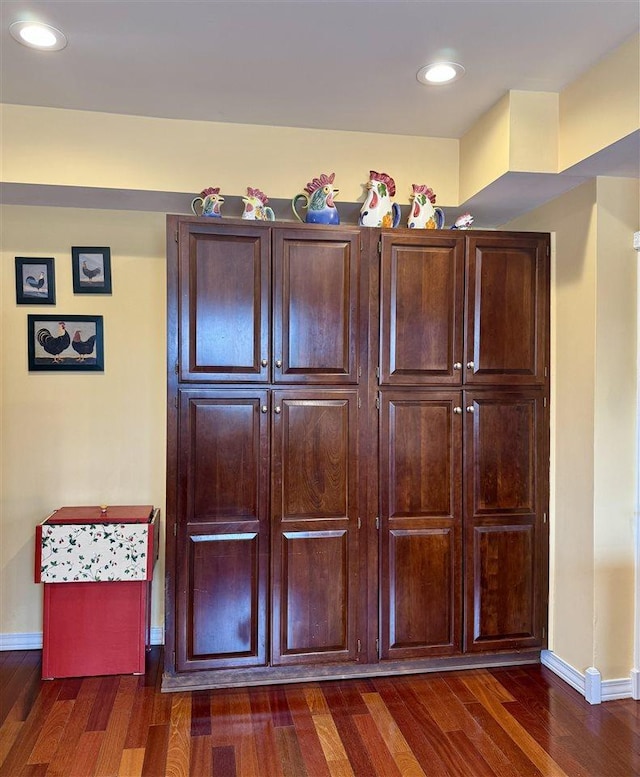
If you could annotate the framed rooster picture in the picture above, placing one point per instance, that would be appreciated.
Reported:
(91, 269)
(64, 343)
(35, 281)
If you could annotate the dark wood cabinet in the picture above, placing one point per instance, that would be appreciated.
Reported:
(467, 311)
(421, 300)
(421, 523)
(314, 518)
(228, 329)
(507, 310)
(505, 518)
(222, 536)
(315, 323)
(357, 468)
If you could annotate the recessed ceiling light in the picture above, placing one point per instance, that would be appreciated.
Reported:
(439, 73)
(38, 36)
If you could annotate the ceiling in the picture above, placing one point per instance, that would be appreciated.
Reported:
(339, 64)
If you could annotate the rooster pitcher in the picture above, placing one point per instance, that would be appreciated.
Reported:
(424, 214)
(378, 210)
(318, 195)
(208, 203)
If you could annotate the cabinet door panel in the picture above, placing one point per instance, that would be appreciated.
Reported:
(314, 531)
(226, 624)
(505, 497)
(316, 306)
(507, 310)
(421, 566)
(314, 593)
(224, 448)
(421, 309)
(224, 303)
(502, 558)
(223, 532)
(420, 502)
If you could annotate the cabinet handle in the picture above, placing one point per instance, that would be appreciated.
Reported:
(278, 363)
(470, 365)
(277, 409)
(457, 410)
(265, 362)
(457, 366)
(264, 409)
(470, 409)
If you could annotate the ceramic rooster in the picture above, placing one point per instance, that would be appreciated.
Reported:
(255, 206)
(378, 210)
(319, 194)
(208, 203)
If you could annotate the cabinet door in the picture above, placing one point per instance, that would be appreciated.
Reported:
(420, 503)
(506, 338)
(314, 529)
(421, 301)
(316, 306)
(505, 536)
(222, 542)
(223, 303)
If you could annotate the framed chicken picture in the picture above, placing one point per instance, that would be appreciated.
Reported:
(91, 269)
(35, 281)
(65, 343)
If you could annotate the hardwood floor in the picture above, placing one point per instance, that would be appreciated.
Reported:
(511, 722)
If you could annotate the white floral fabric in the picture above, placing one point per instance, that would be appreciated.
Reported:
(94, 552)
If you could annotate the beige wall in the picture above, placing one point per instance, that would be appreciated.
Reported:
(80, 438)
(82, 148)
(593, 459)
(602, 106)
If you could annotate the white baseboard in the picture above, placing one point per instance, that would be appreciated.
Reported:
(590, 684)
(33, 641)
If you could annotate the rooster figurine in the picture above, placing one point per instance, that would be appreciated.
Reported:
(54, 345)
(318, 194)
(83, 347)
(424, 213)
(208, 203)
(378, 210)
(255, 206)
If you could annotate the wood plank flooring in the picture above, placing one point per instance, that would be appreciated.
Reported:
(508, 722)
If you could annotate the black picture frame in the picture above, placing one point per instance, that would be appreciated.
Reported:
(35, 281)
(46, 351)
(91, 269)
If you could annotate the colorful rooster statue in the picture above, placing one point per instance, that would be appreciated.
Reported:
(210, 201)
(320, 206)
(463, 222)
(423, 214)
(378, 210)
(255, 206)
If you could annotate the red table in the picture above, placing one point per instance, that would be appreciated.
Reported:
(96, 565)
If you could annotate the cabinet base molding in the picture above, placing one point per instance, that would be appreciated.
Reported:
(238, 678)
